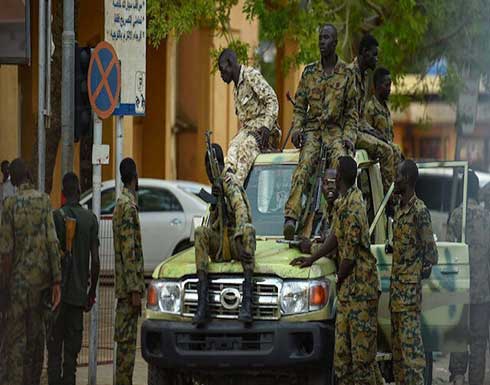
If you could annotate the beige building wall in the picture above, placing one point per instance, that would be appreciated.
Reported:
(9, 113)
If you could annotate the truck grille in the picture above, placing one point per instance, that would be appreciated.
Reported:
(265, 298)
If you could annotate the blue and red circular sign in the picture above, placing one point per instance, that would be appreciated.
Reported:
(104, 80)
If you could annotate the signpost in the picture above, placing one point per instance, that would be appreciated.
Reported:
(104, 88)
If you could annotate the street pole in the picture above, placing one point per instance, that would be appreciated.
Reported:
(119, 151)
(47, 119)
(41, 95)
(94, 314)
(67, 87)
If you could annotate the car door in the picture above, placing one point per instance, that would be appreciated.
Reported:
(162, 224)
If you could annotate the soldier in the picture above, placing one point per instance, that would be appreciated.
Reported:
(81, 256)
(241, 238)
(325, 108)
(414, 253)
(256, 106)
(357, 281)
(378, 114)
(363, 135)
(477, 231)
(130, 283)
(30, 256)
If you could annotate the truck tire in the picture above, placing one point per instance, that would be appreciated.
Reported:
(429, 362)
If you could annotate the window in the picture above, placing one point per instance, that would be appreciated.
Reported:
(157, 200)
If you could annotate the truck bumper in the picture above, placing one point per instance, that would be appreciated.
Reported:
(231, 345)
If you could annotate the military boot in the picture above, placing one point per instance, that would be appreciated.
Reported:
(289, 228)
(246, 311)
(202, 315)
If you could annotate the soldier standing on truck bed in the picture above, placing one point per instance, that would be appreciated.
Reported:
(256, 107)
(78, 232)
(363, 135)
(129, 264)
(30, 257)
(378, 113)
(477, 231)
(357, 281)
(325, 108)
(240, 238)
(414, 253)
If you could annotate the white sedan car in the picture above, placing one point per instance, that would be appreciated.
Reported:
(167, 210)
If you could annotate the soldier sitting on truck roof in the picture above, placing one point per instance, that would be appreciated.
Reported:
(237, 241)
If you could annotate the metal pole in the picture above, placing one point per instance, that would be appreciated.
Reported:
(94, 314)
(119, 151)
(67, 87)
(48, 68)
(41, 94)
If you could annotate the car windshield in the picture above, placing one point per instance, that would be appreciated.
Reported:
(267, 190)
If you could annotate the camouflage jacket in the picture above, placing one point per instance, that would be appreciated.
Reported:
(238, 211)
(256, 102)
(128, 252)
(351, 229)
(325, 100)
(477, 232)
(28, 235)
(413, 241)
(378, 116)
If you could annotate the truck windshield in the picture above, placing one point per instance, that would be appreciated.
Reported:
(267, 190)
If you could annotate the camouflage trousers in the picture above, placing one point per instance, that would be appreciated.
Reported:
(242, 151)
(125, 333)
(356, 342)
(408, 349)
(25, 338)
(308, 159)
(377, 149)
(64, 344)
(207, 245)
(458, 363)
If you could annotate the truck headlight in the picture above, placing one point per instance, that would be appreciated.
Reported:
(303, 296)
(165, 296)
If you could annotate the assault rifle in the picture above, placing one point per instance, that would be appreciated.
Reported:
(224, 245)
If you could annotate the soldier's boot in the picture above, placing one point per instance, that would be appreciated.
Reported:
(458, 380)
(289, 228)
(202, 315)
(246, 312)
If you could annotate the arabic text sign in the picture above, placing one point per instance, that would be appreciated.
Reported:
(125, 29)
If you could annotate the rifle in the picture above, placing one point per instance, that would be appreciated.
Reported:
(224, 242)
(315, 193)
(288, 96)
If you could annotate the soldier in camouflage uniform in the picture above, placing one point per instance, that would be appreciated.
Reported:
(130, 283)
(414, 253)
(363, 135)
(80, 263)
(241, 240)
(325, 108)
(357, 282)
(378, 114)
(256, 107)
(30, 250)
(477, 231)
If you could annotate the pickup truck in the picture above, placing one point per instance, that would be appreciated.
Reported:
(292, 337)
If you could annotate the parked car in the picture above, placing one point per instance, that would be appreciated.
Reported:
(167, 210)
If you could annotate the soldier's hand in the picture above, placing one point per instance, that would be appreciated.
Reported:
(217, 190)
(302, 262)
(264, 139)
(349, 145)
(305, 246)
(136, 301)
(55, 296)
(297, 139)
